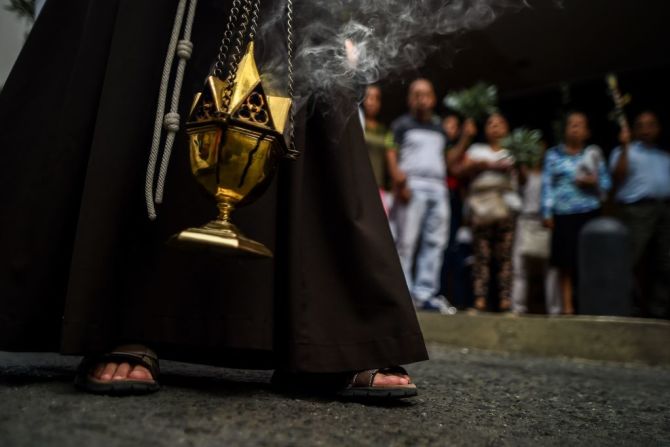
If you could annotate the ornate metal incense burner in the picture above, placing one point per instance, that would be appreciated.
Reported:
(235, 149)
(237, 135)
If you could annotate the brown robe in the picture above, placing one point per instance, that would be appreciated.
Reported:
(81, 266)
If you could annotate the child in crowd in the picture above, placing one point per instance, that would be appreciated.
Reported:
(530, 255)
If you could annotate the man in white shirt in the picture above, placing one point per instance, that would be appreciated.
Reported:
(419, 172)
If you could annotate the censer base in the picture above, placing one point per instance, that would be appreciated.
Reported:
(222, 241)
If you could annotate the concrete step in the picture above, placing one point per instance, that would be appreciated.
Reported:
(615, 339)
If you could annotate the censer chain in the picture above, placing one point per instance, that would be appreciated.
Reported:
(293, 153)
(245, 14)
(233, 17)
(247, 8)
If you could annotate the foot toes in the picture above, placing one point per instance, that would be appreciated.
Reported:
(140, 373)
(390, 380)
(108, 371)
(121, 372)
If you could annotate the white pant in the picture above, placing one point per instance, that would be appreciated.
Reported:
(425, 218)
(552, 292)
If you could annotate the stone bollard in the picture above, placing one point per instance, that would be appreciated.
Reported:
(605, 269)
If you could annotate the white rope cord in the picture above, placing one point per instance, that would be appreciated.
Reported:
(171, 120)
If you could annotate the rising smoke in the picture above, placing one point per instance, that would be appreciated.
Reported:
(347, 44)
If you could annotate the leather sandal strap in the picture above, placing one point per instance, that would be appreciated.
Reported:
(363, 379)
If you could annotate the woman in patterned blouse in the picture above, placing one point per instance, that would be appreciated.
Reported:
(574, 180)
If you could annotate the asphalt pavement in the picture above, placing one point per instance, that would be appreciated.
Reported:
(466, 399)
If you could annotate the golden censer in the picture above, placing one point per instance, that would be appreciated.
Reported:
(237, 131)
(234, 150)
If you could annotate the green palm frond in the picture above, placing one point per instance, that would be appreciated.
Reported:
(25, 9)
(526, 146)
(477, 102)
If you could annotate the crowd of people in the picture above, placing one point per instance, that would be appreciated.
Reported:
(476, 228)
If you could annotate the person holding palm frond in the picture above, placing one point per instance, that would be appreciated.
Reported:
(492, 203)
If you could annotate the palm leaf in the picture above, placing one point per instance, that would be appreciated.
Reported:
(476, 102)
(525, 145)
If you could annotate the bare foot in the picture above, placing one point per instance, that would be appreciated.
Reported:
(107, 372)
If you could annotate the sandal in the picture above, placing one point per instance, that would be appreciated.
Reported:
(358, 385)
(131, 354)
(361, 385)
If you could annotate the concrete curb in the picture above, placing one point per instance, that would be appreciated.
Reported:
(616, 339)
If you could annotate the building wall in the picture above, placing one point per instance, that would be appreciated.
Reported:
(12, 35)
(13, 32)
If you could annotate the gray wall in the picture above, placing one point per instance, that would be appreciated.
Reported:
(38, 5)
(12, 35)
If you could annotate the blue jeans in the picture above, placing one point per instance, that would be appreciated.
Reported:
(426, 219)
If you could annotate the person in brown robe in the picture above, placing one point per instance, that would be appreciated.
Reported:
(82, 268)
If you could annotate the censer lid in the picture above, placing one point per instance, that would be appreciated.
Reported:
(248, 82)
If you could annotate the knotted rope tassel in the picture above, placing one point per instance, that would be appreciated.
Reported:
(170, 121)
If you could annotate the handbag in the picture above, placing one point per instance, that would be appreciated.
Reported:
(486, 202)
(487, 207)
(534, 239)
